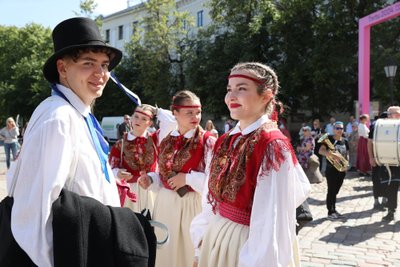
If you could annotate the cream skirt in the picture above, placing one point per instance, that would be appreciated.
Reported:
(144, 199)
(176, 213)
(223, 241)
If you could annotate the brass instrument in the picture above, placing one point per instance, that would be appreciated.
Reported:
(337, 160)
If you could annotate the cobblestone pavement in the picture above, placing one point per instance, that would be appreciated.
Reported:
(360, 240)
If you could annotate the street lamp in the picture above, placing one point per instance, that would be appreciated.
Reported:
(390, 71)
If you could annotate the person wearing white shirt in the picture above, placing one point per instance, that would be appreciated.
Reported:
(180, 179)
(362, 164)
(137, 151)
(254, 182)
(59, 150)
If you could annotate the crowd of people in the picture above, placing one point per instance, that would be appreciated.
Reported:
(228, 198)
(343, 148)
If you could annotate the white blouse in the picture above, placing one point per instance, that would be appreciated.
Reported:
(363, 130)
(57, 153)
(273, 219)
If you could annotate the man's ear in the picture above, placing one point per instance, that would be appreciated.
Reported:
(61, 68)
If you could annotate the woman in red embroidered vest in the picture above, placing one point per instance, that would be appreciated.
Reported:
(181, 179)
(255, 182)
(136, 152)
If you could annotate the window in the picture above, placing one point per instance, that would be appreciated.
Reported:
(107, 36)
(135, 24)
(120, 32)
(184, 24)
(200, 18)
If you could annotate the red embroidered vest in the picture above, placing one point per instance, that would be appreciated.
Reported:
(179, 154)
(235, 165)
(138, 155)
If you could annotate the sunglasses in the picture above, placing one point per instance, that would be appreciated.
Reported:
(338, 128)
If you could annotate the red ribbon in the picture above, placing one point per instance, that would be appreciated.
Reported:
(192, 106)
(144, 113)
(257, 81)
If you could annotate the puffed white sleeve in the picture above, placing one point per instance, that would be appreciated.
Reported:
(167, 122)
(45, 163)
(201, 222)
(197, 179)
(272, 230)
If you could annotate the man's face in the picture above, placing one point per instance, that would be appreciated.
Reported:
(394, 116)
(86, 76)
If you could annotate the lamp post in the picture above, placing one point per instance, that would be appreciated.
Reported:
(390, 71)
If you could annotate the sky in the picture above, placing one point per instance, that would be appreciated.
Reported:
(50, 12)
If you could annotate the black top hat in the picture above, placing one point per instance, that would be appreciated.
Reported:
(71, 34)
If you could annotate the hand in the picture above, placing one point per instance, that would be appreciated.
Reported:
(144, 180)
(177, 181)
(372, 162)
(195, 264)
(124, 175)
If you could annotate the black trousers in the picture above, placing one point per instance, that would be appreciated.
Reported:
(390, 190)
(378, 189)
(391, 194)
(334, 180)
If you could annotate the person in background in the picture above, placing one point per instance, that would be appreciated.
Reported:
(349, 125)
(334, 177)
(59, 149)
(378, 189)
(301, 134)
(9, 135)
(229, 124)
(316, 132)
(124, 127)
(329, 128)
(353, 146)
(306, 148)
(255, 182)
(391, 185)
(137, 151)
(209, 127)
(180, 179)
(363, 165)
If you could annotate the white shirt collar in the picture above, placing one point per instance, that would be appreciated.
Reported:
(255, 125)
(75, 101)
(187, 135)
(132, 137)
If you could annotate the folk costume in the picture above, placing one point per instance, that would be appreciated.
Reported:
(362, 150)
(189, 154)
(139, 153)
(255, 184)
(134, 154)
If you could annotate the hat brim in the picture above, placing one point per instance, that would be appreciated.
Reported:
(50, 71)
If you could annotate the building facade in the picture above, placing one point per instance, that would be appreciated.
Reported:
(118, 27)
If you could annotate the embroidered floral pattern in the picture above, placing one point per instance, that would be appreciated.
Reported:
(175, 152)
(139, 154)
(228, 165)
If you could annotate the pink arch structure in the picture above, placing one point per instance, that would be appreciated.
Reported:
(364, 38)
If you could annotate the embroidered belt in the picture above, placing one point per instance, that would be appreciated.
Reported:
(234, 214)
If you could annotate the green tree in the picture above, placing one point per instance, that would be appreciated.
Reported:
(23, 53)
(157, 54)
(241, 31)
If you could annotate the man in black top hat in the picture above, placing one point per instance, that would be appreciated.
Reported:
(63, 146)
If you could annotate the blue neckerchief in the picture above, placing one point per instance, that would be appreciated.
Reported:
(96, 133)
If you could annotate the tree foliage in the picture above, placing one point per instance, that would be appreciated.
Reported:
(312, 45)
(23, 53)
